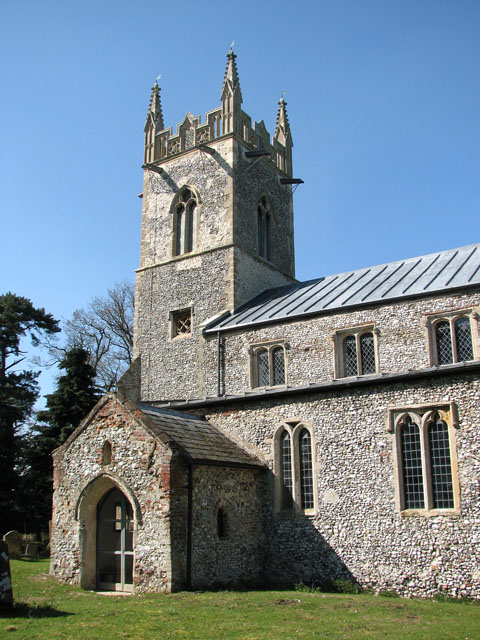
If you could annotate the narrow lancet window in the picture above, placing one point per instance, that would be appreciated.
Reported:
(184, 223)
(444, 342)
(286, 471)
(412, 466)
(463, 339)
(440, 464)
(306, 469)
(367, 354)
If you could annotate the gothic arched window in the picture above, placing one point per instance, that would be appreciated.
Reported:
(264, 224)
(184, 221)
(424, 449)
(295, 486)
(412, 465)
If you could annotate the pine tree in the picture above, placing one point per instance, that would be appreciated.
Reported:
(74, 397)
(18, 392)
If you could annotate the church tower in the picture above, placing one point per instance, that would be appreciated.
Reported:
(217, 230)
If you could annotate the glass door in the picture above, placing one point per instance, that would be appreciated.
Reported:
(115, 542)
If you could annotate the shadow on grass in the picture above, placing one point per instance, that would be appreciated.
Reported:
(24, 610)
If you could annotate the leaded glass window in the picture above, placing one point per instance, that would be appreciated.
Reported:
(440, 464)
(306, 469)
(463, 339)
(269, 366)
(367, 354)
(263, 369)
(278, 359)
(286, 470)
(444, 342)
(412, 466)
(349, 356)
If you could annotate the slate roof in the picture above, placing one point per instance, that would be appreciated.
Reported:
(437, 272)
(199, 440)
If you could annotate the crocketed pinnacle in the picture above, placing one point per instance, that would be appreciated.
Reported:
(282, 127)
(155, 109)
(231, 82)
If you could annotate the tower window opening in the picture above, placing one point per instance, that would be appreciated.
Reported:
(184, 222)
(264, 224)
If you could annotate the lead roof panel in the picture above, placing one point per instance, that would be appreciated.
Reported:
(437, 272)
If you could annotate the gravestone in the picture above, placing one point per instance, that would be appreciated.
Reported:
(14, 540)
(6, 594)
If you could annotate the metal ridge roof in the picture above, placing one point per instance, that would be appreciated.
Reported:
(442, 271)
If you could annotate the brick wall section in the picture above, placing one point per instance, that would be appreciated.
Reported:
(357, 532)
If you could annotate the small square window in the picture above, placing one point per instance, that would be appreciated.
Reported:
(452, 336)
(181, 323)
(356, 351)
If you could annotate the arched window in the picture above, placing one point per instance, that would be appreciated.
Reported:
(184, 222)
(106, 452)
(306, 469)
(286, 470)
(440, 464)
(424, 449)
(264, 224)
(268, 365)
(294, 468)
(222, 523)
(412, 465)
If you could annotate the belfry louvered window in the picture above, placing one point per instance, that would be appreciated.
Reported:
(452, 338)
(355, 353)
(294, 464)
(268, 366)
(264, 224)
(425, 466)
(184, 222)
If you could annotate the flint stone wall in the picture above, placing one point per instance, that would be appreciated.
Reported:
(357, 533)
(140, 467)
(237, 558)
(402, 342)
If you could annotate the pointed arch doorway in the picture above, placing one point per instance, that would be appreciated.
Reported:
(114, 545)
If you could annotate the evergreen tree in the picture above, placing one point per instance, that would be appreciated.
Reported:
(18, 392)
(74, 397)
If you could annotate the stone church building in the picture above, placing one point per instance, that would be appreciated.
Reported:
(272, 431)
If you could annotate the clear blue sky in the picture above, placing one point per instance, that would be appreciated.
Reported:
(384, 104)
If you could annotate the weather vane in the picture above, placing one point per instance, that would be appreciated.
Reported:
(159, 77)
(283, 94)
(233, 42)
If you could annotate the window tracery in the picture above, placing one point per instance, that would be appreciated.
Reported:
(425, 462)
(184, 221)
(294, 465)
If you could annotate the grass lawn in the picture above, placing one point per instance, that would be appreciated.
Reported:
(45, 609)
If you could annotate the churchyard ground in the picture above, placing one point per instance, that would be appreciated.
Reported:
(45, 609)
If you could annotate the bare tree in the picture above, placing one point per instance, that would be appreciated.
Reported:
(104, 329)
